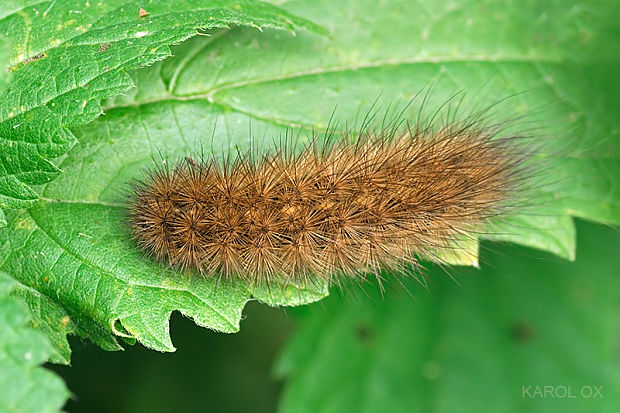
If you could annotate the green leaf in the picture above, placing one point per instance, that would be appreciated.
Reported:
(217, 92)
(26, 386)
(66, 56)
(50, 317)
(521, 321)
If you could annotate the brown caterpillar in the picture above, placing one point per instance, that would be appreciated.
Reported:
(344, 207)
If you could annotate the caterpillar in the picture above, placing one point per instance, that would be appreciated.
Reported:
(343, 207)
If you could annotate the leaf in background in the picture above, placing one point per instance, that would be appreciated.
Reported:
(74, 250)
(559, 54)
(24, 385)
(522, 321)
(65, 56)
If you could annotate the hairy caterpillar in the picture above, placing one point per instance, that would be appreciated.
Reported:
(340, 208)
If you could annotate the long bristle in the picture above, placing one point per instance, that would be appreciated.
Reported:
(340, 209)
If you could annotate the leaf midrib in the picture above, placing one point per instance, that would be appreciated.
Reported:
(209, 94)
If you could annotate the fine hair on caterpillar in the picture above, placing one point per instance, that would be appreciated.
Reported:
(342, 207)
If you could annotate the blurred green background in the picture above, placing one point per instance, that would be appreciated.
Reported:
(468, 343)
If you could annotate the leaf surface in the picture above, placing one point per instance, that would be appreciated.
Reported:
(25, 385)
